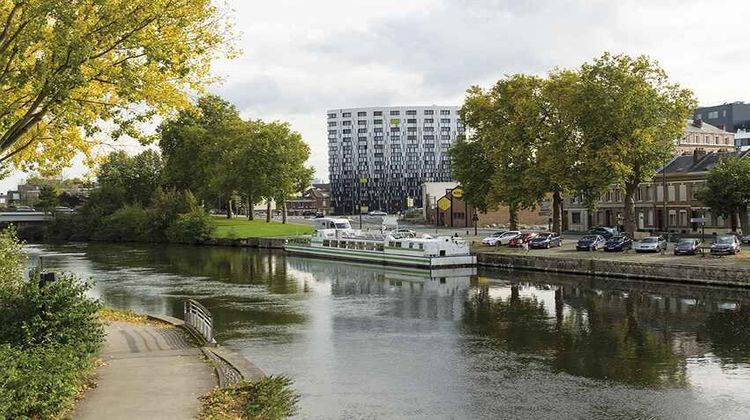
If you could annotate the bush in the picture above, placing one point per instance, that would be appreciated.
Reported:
(127, 224)
(164, 210)
(50, 335)
(191, 228)
(270, 398)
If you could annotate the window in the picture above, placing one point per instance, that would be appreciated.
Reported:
(575, 217)
(445, 120)
(377, 122)
(445, 112)
(361, 130)
(348, 122)
(394, 112)
(713, 115)
(361, 122)
(429, 120)
(411, 121)
(346, 114)
(429, 112)
(395, 129)
(377, 113)
(346, 131)
(332, 123)
(362, 113)
(331, 116)
(411, 112)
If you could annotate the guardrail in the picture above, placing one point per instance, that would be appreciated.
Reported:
(200, 319)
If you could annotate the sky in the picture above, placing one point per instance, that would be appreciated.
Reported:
(301, 58)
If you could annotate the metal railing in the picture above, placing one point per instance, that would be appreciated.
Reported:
(200, 319)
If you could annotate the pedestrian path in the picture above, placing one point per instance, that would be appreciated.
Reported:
(149, 372)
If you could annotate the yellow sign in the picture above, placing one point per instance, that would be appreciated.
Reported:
(444, 203)
(458, 192)
(363, 180)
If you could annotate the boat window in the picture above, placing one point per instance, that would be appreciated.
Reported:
(342, 244)
(421, 246)
(370, 246)
(361, 245)
(351, 245)
(380, 247)
(411, 245)
(398, 244)
(342, 226)
(326, 242)
(391, 244)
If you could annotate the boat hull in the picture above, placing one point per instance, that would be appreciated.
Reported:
(384, 258)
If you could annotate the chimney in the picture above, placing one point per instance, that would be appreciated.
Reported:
(698, 154)
(698, 122)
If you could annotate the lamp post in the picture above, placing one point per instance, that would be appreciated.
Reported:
(664, 186)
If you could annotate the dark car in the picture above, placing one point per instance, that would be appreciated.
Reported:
(687, 247)
(590, 243)
(546, 240)
(618, 243)
(523, 238)
(725, 244)
(604, 232)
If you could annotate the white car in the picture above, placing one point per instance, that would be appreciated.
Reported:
(505, 238)
(651, 244)
(377, 213)
(491, 240)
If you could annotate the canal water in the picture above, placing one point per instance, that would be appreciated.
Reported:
(366, 342)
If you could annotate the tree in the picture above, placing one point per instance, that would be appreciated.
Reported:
(250, 163)
(66, 67)
(629, 115)
(130, 179)
(195, 145)
(48, 198)
(471, 167)
(727, 190)
(505, 122)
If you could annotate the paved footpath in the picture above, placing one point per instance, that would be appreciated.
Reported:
(150, 372)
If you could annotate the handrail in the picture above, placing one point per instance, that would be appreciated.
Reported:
(200, 319)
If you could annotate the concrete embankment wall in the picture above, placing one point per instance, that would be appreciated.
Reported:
(270, 243)
(699, 274)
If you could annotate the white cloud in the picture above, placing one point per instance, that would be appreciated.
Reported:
(303, 57)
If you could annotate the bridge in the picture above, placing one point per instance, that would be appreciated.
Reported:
(23, 217)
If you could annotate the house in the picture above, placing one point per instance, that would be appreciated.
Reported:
(666, 203)
(314, 200)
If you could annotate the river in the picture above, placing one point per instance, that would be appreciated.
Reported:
(366, 342)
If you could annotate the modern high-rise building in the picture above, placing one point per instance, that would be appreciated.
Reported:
(729, 117)
(380, 156)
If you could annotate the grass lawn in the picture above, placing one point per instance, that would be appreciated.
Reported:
(240, 227)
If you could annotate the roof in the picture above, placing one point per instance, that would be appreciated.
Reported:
(705, 128)
(698, 162)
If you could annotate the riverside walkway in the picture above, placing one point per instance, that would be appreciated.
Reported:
(150, 372)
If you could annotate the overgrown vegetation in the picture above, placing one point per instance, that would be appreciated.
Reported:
(50, 336)
(269, 398)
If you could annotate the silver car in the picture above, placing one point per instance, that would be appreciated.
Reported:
(505, 238)
(651, 244)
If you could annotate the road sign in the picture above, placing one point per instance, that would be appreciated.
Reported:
(458, 192)
(444, 203)
(363, 180)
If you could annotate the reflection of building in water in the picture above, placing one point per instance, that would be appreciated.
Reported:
(423, 294)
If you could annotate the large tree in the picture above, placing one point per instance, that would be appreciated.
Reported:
(70, 68)
(727, 191)
(505, 122)
(629, 116)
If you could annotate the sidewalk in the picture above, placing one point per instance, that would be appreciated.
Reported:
(150, 372)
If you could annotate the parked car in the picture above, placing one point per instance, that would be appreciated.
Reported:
(590, 243)
(745, 239)
(618, 243)
(725, 244)
(491, 240)
(522, 239)
(546, 240)
(687, 246)
(651, 244)
(377, 213)
(63, 209)
(23, 208)
(505, 238)
(308, 213)
(604, 232)
(403, 233)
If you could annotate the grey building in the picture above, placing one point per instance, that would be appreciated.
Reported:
(729, 117)
(380, 156)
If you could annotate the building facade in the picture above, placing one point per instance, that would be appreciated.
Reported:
(316, 200)
(667, 203)
(701, 135)
(380, 156)
(729, 117)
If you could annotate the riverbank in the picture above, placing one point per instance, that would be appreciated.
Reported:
(724, 271)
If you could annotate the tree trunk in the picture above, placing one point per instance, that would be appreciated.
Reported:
(513, 214)
(250, 207)
(556, 212)
(629, 216)
(283, 212)
(268, 211)
(733, 221)
(744, 220)
(229, 208)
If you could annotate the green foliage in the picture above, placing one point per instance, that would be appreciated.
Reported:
(48, 198)
(193, 227)
(727, 189)
(130, 179)
(165, 208)
(127, 224)
(269, 398)
(50, 336)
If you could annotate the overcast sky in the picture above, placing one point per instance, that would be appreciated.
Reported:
(304, 57)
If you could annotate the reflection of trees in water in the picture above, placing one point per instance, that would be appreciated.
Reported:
(728, 333)
(601, 340)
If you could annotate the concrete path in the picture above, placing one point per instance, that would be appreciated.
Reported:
(150, 372)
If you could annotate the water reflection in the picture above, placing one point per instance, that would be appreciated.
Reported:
(364, 341)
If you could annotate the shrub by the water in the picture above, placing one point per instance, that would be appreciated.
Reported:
(49, 337)
(269, 398)
(191, 228)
